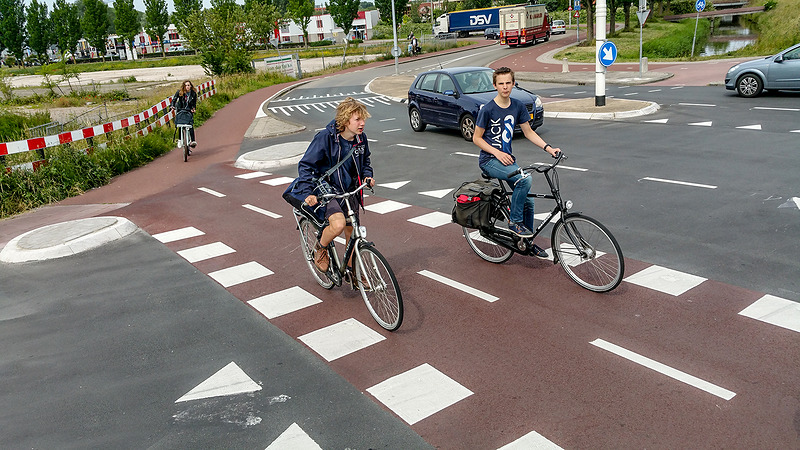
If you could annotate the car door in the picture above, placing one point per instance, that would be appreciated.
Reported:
(785, 74)
(446, 105)
(426, 97)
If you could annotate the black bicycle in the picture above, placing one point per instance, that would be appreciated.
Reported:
(183, 123)
(584, 247)
(371, 273)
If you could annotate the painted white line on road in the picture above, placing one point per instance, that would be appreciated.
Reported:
(277, 181)
(578, 169)
(557, 95)
(460, 286)
(210, 191)
(381, 100)
(392, 130)
(433, 219)
(371, 140)
(294, 437)
(177, 235)
(437, 194)
(795, 131)
(387, 120)
(229, 380)
(654, 90)
(683, 183)
(756, 127)
(474, 155)
(240, 274)
(250, 175)
(676, 87)
(631, 93)
(776, 109)
(341, 339)
(411, 146)
(656, 121)
(665, 280)
(419, 393)
(395, 185)
(701, 124)
(532, 440)
(664, 369)
(776, 311)
(262, 211)
(204, 252)
(316, 106)
(283, 302)
(386, 207)
(697, 104)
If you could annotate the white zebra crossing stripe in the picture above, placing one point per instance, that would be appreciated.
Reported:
(242, 273)
(177, 235)
(432, 220)
(204, 252)
(341, 339)
(283, 302)
(776, 311)
(665, 280)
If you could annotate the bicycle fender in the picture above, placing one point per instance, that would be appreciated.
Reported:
(553, 232)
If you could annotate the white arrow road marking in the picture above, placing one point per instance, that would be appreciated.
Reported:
(229, 380)
(438, 194)
(395, 185)
(294, 438)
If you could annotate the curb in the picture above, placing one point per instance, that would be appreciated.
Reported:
(66, 239)
(649, 109)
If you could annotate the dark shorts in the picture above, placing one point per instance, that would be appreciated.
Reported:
(338, 207)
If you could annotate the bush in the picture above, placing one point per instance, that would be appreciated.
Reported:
(322, 43)
(13, 126)
(679, 42)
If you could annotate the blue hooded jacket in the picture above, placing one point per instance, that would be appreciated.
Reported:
(324, 152)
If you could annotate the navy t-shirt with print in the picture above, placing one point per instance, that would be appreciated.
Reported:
(499, 124)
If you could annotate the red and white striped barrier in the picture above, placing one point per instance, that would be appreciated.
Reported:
(27, 145)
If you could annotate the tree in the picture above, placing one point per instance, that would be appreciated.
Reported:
(184, 9)
(157, 21)
(126, 22)
(95, 25)
(12, 27)
(385, 7)
(38, 26)
(301, 12)
(66, 26)
(343, 12)
(217, 34)
(262, 19)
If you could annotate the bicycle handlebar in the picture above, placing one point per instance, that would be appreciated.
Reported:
(560, 156)
(324, 199)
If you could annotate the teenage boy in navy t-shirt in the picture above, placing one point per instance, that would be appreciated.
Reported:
(494, 129)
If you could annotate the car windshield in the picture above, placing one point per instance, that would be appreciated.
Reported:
(473, 82)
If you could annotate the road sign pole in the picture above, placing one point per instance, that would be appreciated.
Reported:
(599, 69)
(395, 49)
(694, 38)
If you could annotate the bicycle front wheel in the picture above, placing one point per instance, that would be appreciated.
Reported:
(379, 288)
(185, 134)
(308, 242)
(588, 253)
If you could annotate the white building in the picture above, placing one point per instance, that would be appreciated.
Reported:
(322, 27)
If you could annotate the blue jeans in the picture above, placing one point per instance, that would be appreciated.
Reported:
(521, 204)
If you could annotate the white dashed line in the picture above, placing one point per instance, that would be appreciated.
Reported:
(701, 124)
(250, 175)
(177, 235)
(262, 211)
(210, 191)
(392, 130)
(776, 109)
(705, 105)
(240, 274)
(457, 285)
(411, 146)
(683, 183)
(204, 252)
(750, 127)
(675, 374)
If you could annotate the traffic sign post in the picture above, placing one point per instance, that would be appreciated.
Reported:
(606, 53)
(699, 6)
(641, 14)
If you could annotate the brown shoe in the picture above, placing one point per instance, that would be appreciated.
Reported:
(321, 259)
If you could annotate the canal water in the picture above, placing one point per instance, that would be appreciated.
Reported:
(731, 34)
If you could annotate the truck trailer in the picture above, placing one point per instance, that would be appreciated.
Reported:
(467, 21)
(524, 24)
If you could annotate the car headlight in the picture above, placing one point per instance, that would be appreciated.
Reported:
(733, 68)
(538, 102)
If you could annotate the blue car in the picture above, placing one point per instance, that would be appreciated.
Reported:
(451, 98)
(777, 72)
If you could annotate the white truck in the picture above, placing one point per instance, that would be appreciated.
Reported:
(524, 24)
(465, 22)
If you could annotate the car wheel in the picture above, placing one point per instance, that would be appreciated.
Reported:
(416, 120)
(749, 86)
(467, 126)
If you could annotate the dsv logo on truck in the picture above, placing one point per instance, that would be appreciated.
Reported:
(483, 19)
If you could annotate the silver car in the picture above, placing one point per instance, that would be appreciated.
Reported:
(776, 72)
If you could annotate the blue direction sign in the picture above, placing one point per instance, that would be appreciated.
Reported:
(700, 5)
(577, 5)
(607, 54)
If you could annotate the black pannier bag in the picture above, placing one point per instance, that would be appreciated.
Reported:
(473, 203)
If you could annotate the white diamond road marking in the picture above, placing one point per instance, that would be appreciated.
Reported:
(433, 220)
(262, 211)
(395, 185)
(277, 181)
(664, 369)
(437, 194)
(229, 380)
(341, 339)
(532, 440)
(211, 191)
(250, 175)
(177, 235)
(386, 207)
(240, 274)
(284, 302)
(457, 285)
(419, 393)
(294, 438)
(205, 252)
(665, 280)
(776, 311)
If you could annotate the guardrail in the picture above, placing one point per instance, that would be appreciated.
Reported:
(38, 144)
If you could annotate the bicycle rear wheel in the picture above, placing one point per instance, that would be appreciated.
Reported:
(588, 253)
(382, 294)
(486, 249)
(308, 242)
(185, 134)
